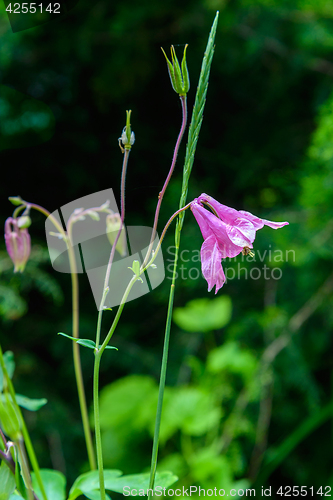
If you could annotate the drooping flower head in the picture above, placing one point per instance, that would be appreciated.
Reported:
(227, 232)
(18, 242)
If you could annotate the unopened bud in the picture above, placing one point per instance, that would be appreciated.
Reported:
(113, 224)
(18, 243)
(127, 137)
(24, 222)
(10, 421)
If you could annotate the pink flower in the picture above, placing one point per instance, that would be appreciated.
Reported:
(226, 232)
(17, 243)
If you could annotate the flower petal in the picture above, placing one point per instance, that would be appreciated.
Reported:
(226, 214)
(211, 225)
(200, 215)
(211, 264)
(259, 223)
(241, 232)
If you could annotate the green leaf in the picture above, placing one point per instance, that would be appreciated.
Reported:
(204, 315)
(110, 347)
(139, 481)
(15, 200)
(232, 358)
(197, 117)
(8, 358)
(54, 484)
(30, 404)
(7, 482)
(190, 409)
(84, 342)
(125, 396)
(24, 401)
(95, 495)
(88, 483)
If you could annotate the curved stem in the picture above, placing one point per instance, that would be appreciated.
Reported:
(75, 328)
(157, 249)
(122, 218)
(173, 163)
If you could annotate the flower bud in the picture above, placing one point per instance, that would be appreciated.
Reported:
(127, 137)
(113, 224)
(18, 242)
(179, 76)
(10, 421)
(24, 222)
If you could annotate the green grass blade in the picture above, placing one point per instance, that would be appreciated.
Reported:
(197, 115)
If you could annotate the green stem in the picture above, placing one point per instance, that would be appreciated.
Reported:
(75, 328)
(98, 355)
(99, 351)
(162, 383)
(77, 358)
(25, 468)
(97, 425)
(194, 130)
(26, 437)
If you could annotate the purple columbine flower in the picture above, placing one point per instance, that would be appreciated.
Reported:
(18, 243)
(227, 232)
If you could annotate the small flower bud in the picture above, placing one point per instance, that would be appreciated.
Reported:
(113, 224)
(16, 200)
(18, 242)
(136, 269)
(24, 222)
(179, 76)
(10, 421)
(127, 137)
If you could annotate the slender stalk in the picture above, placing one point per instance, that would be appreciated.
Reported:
(77, 358)
(26, 437)
(167, 180)
(157, 249)
(122, 218)
(99, 351)
(194, 130)
(75, 331)
(98, 426)
(25, 468)
(162, 385)
(98, 355)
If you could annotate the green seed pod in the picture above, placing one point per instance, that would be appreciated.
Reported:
(179, 76)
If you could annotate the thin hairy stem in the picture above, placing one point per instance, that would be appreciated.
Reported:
(167, 180)
(99, 351)
(75, 328)
(122, 218)
(194, 129)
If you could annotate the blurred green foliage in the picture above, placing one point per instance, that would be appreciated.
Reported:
(249, 395)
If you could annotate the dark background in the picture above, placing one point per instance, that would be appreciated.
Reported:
(265, 146)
